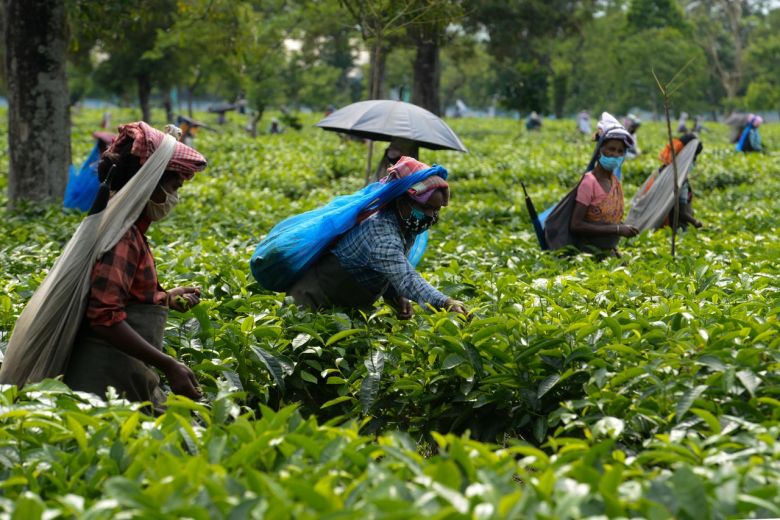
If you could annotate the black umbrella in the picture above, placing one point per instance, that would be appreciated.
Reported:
(535, 220)
(385, 120)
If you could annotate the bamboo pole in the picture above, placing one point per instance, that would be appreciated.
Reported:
(666, 93)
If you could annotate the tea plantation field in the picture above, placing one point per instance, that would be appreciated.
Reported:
(641, 387)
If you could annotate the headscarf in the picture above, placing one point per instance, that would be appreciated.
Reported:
(610, 128)
(423, 190)
(755, 120)
(185, 161)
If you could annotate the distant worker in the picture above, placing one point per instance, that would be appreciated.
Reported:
(685, 192)
(697, 126)
(275, 127)
(105, 121)
(750, 139)
(736, 122)
(189, 128)
(682, 123)
(533, 122)
(632, 124)
(397, 148)
(583, 122)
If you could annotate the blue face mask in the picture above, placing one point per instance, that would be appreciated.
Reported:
(610, 163)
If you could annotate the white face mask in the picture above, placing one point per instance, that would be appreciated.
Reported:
(158, 210)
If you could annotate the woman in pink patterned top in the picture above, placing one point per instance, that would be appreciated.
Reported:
(597, 218)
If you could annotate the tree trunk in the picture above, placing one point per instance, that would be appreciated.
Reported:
(168, 105)
(36, 43)
(255, 121)
(376, 88)
(560, 91)
(144, 92)
(427, 73)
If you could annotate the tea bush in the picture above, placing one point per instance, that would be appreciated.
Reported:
(644, 386)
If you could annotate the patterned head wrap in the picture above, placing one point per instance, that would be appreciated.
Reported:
(185, 161)
(423, 190)
(755, 120)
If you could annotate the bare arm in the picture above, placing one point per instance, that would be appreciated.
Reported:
(580, 226)
(125, 339)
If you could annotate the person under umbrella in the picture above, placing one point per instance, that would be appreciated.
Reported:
(370, 260)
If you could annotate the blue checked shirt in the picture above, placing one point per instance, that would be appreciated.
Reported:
(374, 252)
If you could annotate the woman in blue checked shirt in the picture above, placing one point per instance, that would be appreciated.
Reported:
(370, 260)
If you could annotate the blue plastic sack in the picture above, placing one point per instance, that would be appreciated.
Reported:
(743, 138)
(83, 185)
(418, 248)
(297, 242)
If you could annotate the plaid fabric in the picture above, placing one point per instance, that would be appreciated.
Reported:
(185, 161)
(423, 190)
(124, 275)
(374, 252)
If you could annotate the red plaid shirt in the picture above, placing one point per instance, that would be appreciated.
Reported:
(123, 276)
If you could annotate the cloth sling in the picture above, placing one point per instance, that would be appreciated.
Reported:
(95, 364)
(655, 198)
(42, 339)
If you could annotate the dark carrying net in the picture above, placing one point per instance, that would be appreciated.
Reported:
(557, 228)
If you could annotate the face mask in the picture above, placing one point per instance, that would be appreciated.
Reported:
(610, 163)
(417, 221)
(158, 210)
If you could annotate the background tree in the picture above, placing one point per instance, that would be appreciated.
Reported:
(205, 48)
(721, 29)
(125, 34)
(322, 71)
(3, 85)
(428, 31)
(36, 43)
(468, 71)
(655, 14)
(521, 36)
(762, 63)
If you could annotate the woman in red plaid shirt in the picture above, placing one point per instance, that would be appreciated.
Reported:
(121, 337)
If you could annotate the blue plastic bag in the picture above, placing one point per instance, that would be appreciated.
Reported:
(418, 248)
(83, 185)
(297, 242)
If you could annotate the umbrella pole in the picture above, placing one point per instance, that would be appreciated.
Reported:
(368, 164)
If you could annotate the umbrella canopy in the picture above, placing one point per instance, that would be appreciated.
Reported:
(384, 120)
